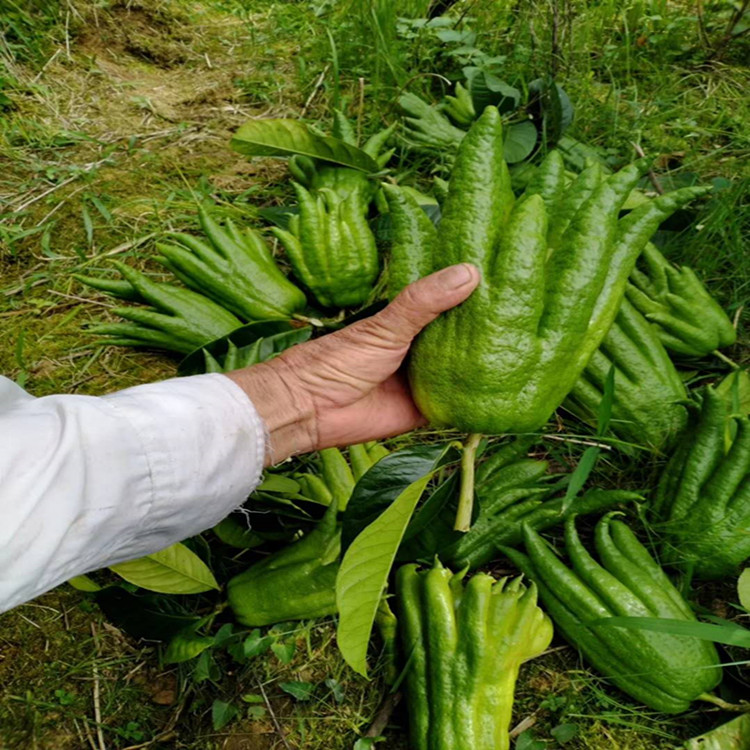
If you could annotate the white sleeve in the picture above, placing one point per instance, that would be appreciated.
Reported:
(87, 482)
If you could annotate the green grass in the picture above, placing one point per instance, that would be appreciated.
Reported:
(117, 119)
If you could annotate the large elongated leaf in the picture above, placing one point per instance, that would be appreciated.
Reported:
(174, 570)
(730, 634)
(232, 532)
(290, 137)
(366, 564)
(379, 486)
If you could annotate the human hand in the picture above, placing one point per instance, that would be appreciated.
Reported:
(346, 387)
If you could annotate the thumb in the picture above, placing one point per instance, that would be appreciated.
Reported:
(420, 303)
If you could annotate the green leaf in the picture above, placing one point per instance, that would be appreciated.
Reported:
(564, 732)
(254, 342)
(174, 570)
(368, 560)
(206, 668)
(290, 137)
(187, 644)
(232, 532)
(734, 735)
(252, 698)
(731, 635)
(743, 589)
(284, 651)
(379, 487)
(256, 644)
(222, 713)
(279, 483)
(520, 140)
(579, 476)
(301, 691)
(84, 583)
(487, 89)
(527, 741)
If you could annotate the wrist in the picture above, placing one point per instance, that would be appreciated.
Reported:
(283, 405)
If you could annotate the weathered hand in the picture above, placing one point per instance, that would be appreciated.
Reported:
(346, 388)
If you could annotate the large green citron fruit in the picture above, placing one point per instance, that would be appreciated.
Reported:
(551, 286)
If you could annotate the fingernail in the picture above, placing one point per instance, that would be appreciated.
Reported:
(455, 277)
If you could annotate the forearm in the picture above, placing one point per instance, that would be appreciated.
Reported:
(287, 413)
(88, 482)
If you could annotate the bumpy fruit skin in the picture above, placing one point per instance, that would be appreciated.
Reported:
(505, 359)
(299, 581)
(179, 320)
(331, 246)
(702, 503)
(235, 269)
(464, 644)
(664, 671)
(688, 320)
(646, 407)
(296, 583)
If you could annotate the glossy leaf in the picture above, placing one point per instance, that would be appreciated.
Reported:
(378, 488)
(279, 483)
(233, 532)
(174, 570)
(253, 343)
(487, 89)
(520, 140)
(729, 634)
(368, 560)
(290, 137)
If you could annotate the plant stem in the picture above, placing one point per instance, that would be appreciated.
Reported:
(724, 358)
(711, 698)
(466, 496)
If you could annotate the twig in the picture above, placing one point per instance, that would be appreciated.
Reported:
(89, 738)
(577, 441)
(313, 93)
(724, 358)
(273, 716)
(45, 193)
(46, 65)
(523, 725)
(651, 176)
(78, 299)
(382, 717)
(97, 706)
